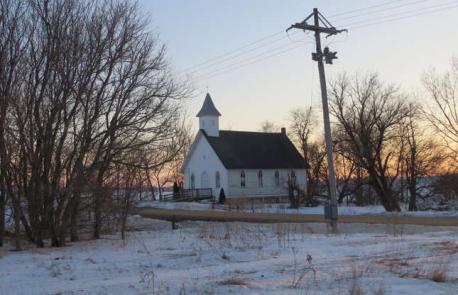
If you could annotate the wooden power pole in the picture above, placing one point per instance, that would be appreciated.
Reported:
(322, 25)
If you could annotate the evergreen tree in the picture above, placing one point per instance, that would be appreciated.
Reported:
(222, 196)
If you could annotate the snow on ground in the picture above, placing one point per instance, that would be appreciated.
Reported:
(241, 258)
(285, 209)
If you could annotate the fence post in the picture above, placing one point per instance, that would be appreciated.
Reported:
(174, 226)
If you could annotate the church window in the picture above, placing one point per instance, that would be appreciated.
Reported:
(242, 179)
(260, 182)
(277, 178)
(293, 177)
(193, 181)
(217, 180)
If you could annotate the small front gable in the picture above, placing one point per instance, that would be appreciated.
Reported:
(202, 168)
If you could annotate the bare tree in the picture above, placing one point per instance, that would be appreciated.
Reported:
(268, 126)
(443, 115)
(346, 169)
(14, 36)
(301, 125)
(317, 173)
(128, 187)
(369, 113)
(423, 155)
(163, 165)
(94, 89)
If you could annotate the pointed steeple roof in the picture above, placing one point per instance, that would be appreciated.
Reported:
(208, 108)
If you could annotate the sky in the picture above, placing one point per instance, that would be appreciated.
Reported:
(266, 80)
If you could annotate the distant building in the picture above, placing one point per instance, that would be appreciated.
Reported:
(245, 164)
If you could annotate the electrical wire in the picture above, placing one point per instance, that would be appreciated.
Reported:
(235, 50)
(267, 52)
(428, 9)
(405, 17)
(231, 57)
(365, 23)
(362, 9)
(268, 37)
(338, 19)
(231, 68)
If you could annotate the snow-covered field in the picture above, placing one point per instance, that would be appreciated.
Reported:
(240, 258)
(285, 209)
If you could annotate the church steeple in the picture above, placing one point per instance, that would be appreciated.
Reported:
(209, 117)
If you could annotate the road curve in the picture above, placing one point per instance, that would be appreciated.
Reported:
(208, 215)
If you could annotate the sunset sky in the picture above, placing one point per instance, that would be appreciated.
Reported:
(269, 78)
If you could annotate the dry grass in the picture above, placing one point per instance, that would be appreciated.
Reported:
(149, 278)
(390, 262)
(447, 247)
(355, 286)
(287, 234)
(380, 290)
(434, 268)
(234, 282)
(232, 235)
(438, 273)
(299, 275)
(241, 204)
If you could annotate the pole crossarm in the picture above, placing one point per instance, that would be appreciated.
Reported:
(321, 25)
(304, 26)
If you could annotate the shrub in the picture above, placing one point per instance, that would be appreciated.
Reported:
(438, 273)
(222, 196)
(176, 190)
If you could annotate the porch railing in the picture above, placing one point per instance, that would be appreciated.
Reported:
(189, 195)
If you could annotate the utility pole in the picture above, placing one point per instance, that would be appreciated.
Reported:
(322, 25)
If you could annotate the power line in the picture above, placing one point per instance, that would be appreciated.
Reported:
(365, 23)
(231, 68)
(231, 57)
(247, 59)
(235, 50)
(362, 9)
(428, 10)
(338, 19)
(268, 37)
(405, 17)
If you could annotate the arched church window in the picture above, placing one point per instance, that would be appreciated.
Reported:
(193, 181)
(242, 179)
(217, 180)
(293, 177)
(277, 178)
(260, 182)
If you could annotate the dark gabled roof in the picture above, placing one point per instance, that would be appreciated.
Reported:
(208, 108)
(256, 150)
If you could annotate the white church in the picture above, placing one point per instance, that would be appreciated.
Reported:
(244, 164)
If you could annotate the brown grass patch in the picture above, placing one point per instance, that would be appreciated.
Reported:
(355, 286)
(437, 272)
(447, 247)
(234, 282)
(391, 262)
